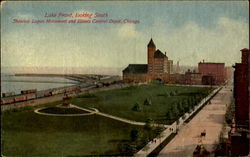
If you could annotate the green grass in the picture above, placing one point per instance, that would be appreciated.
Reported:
(120, 102)
(61, 110)
(25, 133)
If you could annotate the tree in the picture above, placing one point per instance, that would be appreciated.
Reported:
(134, 135)
(147, 102)
(148, 125)
(180, 108)
(169, 116)
(159, 133)
(174, 111)
(172, 93)
(136, 107)
(128, 149)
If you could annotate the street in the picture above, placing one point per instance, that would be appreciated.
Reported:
(210, 119)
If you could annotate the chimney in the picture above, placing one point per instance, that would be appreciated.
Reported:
(203, 61)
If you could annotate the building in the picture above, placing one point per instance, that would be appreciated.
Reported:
(212, 73)
(170, 66)
(241, 90)
(159, 67)
(239, 134)
(135, 73)
(193, 78)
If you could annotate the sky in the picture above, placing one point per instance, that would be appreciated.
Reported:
(187, 31)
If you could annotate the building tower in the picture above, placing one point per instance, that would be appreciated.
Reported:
(151, 51)
(241, 90)
(178, 67)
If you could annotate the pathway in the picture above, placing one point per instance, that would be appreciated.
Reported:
(118, 118)
(172, 128)
(210, 118)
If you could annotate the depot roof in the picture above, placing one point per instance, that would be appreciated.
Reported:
(136, 69)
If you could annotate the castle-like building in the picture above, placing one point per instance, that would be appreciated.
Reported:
(159, 67)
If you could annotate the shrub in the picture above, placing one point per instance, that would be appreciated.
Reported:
(136, 107)
(172, 93)
(147, 102)
(134, 135)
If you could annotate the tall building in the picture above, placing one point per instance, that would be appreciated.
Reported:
(241, 90)
(170, 66)
(239, 134)
(158, 67)
(177, 67)
(212, 73)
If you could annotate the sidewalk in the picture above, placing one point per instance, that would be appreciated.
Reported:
(166, 133)
(210, 118)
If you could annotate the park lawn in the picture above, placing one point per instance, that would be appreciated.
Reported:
(119, 102)
(61, 110)
(25, 133)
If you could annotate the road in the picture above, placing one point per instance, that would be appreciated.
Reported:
(210, 118)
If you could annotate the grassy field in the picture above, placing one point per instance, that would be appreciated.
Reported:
(163, 99)
(60, 110)
(25, 133)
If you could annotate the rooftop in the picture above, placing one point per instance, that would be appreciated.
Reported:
(136, 69)
(245, 49)
(159, 54)
(210, 63)
(151, 43)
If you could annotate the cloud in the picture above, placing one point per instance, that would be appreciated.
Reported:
(128, 31)
(192, 43)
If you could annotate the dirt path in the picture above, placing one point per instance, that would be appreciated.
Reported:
(210, 118)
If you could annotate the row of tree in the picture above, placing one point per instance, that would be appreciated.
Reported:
(180, 108)
(139, 138)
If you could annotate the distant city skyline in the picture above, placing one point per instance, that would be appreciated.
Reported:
(188, 31)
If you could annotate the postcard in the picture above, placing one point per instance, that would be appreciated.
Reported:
(125, 78)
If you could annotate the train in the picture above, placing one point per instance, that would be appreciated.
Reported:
(8, 94)
(34, 94)
(9, 98)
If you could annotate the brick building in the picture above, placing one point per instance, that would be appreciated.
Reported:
(158, 67)
(212, 73)
(239, 134)
(241, 90)
(193, 78)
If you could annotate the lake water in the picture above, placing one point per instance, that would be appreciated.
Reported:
(10, 83)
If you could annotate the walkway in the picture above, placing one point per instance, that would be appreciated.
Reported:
(95, 111)
(172, 128)
(118, 118)
(210, 118)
